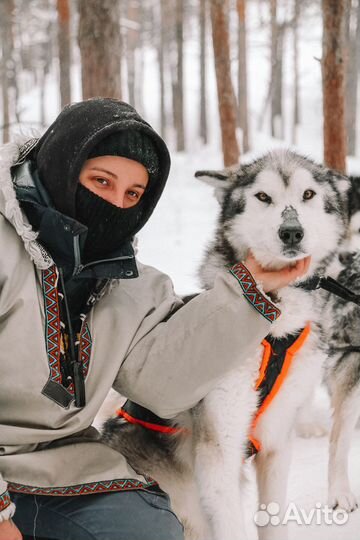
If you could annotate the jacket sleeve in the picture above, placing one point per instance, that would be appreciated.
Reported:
(7, 508)
(174, 365)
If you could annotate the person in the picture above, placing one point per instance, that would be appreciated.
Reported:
(79, 315)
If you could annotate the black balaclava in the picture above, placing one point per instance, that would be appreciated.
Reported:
(108, 225)
(100, 126)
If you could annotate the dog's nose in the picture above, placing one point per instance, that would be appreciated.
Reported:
(291, 235)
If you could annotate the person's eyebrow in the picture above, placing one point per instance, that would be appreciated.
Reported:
(100, 169)
(103, 170)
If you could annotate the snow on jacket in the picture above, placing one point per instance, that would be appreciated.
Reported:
(127, 342)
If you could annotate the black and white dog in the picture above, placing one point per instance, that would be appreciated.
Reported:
(283, 207)
(342, 373)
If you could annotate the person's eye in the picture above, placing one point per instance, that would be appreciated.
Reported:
(263, 197)
(133, 194)
(102, 181)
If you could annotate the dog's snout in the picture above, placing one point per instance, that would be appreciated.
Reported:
(291, 235)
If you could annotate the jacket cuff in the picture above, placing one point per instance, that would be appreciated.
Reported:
(252, 293)
(7, 508)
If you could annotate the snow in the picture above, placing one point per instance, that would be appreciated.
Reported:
(183, 223)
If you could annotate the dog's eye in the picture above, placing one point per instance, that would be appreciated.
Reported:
(308, 194)
(263, 197)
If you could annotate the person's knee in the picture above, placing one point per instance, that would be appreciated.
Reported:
(158, 521)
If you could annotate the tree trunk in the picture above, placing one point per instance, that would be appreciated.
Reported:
(277, 39)
(8, 76)
(333, 75)
(203, 115)
(161, 59)
(63, 12)
(353, 42)
(178, 99)
(226, 96)
(296, 108)
(242, 75)
(99, 42)
(132, 42)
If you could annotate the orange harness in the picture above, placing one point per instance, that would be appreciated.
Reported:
(277, 359)
(267, 397)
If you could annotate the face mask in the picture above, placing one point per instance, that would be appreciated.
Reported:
(108, 225)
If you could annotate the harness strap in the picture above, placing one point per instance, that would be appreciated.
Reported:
(332, 286)
(278, 357)
(136, 414)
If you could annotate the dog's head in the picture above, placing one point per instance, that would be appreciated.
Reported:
(282, 206)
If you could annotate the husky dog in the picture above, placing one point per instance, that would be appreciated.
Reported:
(283, 207)
(342, 369)
(352, 242)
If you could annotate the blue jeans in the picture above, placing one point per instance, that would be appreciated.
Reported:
(126, 515)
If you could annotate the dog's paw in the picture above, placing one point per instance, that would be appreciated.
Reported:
(344, 500)
(307, 430)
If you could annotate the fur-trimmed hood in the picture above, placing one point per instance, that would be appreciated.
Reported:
(10, 207)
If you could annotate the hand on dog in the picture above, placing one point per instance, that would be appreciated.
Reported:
(273, 280)
(9, 531)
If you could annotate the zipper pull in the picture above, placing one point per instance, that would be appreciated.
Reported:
(79, 385)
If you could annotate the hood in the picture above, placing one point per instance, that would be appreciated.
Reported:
(10, 154)
(61, 152)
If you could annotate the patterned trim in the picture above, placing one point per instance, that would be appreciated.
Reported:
(5, 501)
(55, 342)
(52, 321)
(85, 347)
(252, 293)
(91, 488)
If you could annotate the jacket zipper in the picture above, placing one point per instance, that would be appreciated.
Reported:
(76, 367)
(79, 267)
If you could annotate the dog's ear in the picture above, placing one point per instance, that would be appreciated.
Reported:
(216, 179)
(219, 180)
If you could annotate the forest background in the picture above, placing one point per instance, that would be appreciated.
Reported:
(223, 82)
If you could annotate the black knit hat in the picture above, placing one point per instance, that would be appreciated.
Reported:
(79, 131)
(130, 144)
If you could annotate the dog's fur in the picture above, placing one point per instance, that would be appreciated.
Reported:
(202, 471)
(342, 373)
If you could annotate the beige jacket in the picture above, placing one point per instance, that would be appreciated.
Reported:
(48, 448)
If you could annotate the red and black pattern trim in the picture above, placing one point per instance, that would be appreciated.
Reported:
(85, 347)
(5, 501)
(57, 341)
(252, 293)
(91, 488)
(52, 321)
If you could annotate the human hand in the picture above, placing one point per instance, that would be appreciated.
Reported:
(9, 531)
(272, 280)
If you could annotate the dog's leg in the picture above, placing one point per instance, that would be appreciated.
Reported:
(221, 434)
(346, 414)
(272, 470)
(220, 494)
